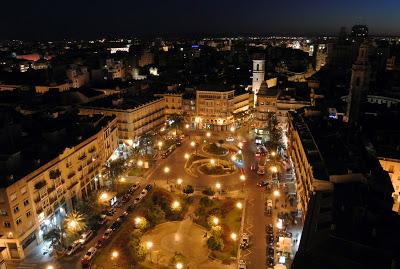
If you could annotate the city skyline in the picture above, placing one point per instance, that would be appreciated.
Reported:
(47, 20)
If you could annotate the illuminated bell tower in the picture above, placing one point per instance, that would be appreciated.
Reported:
(359, 85)
(258, 74)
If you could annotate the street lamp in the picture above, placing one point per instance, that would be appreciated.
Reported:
(243, 179)
(166, 169)
(274, 169)
(232, 129)
(114, 254)
(50, 267)
(187, 126)
(140, 163)
(160, 143)
(239, 205)
(240, 144)
(123, 179)
(218, 186)
(215, 220)
(103, 196)
(179, 265)
(138, 220)
(277, 193)
(208, 134)
(233, 158)
(234, 236)
(176, 205)
(212, 161)
(187, 156)
(273, 153)
(179, 181)
(149, 245)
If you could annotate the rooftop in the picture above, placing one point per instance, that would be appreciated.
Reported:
(125, 101)
(32, 141)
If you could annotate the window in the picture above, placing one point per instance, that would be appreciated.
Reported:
(16, 209)
(26, 202)
(391, 169)
(28, 213)
(23, 190)
(7, 224)
(18, 221)
(13, 196)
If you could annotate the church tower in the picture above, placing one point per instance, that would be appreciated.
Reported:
(359, 85)
(258, 74)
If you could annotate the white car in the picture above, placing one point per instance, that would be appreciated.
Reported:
(107, 234)
(72, 248)
(90, 254)
(242, 264)
(143, 193)
(230, 139)
(86, 236)
(269, 203)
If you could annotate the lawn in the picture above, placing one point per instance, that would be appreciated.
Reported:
(136, 171)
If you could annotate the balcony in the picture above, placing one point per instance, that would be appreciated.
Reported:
(39, 210)
(40, 184)
(37, 199)
(72, 185)
(51, 189)
(92, 150)
(70, 175)
(81, 158)
(54, 174)
(52, 199)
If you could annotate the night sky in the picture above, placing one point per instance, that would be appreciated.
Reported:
(55, 19)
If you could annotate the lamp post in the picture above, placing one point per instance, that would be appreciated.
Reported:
(114, 257)
(243, 179)
(166, 171)
(218, 186)
(179, 181)
(149, 245)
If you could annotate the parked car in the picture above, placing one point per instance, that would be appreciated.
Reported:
(90, 254)
(137, 200)
(244, 241)
(107, 234)
(230, 139)
(116, 224)
(102, 220)
(72, 248)
(242, 264)
(143, 193)
(262, 183)
(133, 188)
(86, 236)
(149, 187)
(99, 243)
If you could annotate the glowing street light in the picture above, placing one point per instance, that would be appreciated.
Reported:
(176, 205)
(149, 245)
(114, 254)
(234, 236)
(212, 161)
(277, 193)
(233, 158)
(274, 169)
(239, 205)
(50, 267)
(187, 156)
(160, 143)
(122, 179)
(273, 153)
(215, 221)
(208, 134)
(242, 177)
(179, 181)
(138, 220)
(104, 196)
(232, 129)
(218, 186)
(240, 144)
(179, 265)
(193, 144)
(140, 163)
(166, 169)
(187, 126)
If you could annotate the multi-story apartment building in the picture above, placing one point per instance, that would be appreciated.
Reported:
(42, 182)
(135, 115)
(60, 87)
(78, 76)
(173, 103)
(216, 105)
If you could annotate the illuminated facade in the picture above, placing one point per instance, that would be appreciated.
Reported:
(32, 204)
